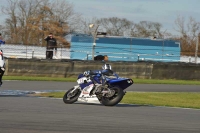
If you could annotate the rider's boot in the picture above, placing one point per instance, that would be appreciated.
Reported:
(96, 89)
(1, 83)
(92, 91)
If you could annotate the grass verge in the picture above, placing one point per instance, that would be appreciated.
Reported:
(136, 81)
(169, 99)
(29, 78)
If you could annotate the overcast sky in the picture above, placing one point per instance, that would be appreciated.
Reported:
(162, 11)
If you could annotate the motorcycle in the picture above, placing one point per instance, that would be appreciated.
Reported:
(106, 87)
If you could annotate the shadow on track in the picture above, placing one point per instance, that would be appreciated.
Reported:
(118, 105)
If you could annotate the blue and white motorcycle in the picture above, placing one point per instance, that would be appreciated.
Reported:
(105, 86)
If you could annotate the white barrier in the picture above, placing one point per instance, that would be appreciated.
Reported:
(23, 51)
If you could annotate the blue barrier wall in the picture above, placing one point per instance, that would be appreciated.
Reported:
(125, 49)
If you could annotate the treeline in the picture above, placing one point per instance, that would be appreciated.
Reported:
(29, 21)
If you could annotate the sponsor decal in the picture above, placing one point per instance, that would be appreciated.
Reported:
(87, 89)
(85, 92)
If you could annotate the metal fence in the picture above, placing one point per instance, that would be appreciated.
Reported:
(24, 51)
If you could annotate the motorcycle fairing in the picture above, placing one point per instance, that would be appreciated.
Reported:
(123, 83)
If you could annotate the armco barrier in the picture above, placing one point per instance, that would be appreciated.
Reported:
(183, 71)
(70, 68)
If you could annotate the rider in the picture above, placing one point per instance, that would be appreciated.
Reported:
(106, 70)
(2, 64)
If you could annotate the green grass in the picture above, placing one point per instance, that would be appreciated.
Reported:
(169, 99)
(136, 81)
(166, 81)
(28, 78)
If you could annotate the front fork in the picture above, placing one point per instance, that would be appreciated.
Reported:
(75, 88)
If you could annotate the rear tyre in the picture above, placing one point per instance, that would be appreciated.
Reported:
(71, 97)
(114, 97)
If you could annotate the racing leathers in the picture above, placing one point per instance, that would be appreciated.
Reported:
(2, 63)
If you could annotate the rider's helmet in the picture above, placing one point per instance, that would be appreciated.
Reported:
(106, 67)
(86, 73)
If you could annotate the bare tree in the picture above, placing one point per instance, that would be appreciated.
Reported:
(83, 26)
(146, 29)
(30, 20)
(115, 26)
(11, 21)
(122, 27)
(193, 27)
(180, 23)
(65, 15)
(28, 11)
(188, 34)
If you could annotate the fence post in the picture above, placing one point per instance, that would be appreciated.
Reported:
(138, 57)
(32, 53)
(61, 50)
(26, 49)
(196, 50)
(87, 56)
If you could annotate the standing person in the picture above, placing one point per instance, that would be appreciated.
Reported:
(51, 45)
(2, 63)
(1, 40)
(2, 67)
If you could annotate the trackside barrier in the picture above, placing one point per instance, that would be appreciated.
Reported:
(71, 68)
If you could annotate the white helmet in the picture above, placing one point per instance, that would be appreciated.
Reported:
(86, 73)
(106, 67)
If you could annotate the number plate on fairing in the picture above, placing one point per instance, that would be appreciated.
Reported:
(82, 80)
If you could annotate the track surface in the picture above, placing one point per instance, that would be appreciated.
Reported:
(46, 115)
(48, 85)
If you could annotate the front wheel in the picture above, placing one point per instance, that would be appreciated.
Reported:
(71, 97)
(113, 97)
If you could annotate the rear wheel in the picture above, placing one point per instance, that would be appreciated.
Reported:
(113, 97)
(71, 97)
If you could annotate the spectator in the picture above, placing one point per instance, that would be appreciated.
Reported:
(2, 67)
(2, 63)
(1, 40)
(101, 57)
(51, 45)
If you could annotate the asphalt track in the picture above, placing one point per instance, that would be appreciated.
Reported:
(23, 114)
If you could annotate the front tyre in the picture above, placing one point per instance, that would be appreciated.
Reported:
(71, 97)
(113, 97)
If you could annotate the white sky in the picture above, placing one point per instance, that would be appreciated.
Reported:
(162, 11)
